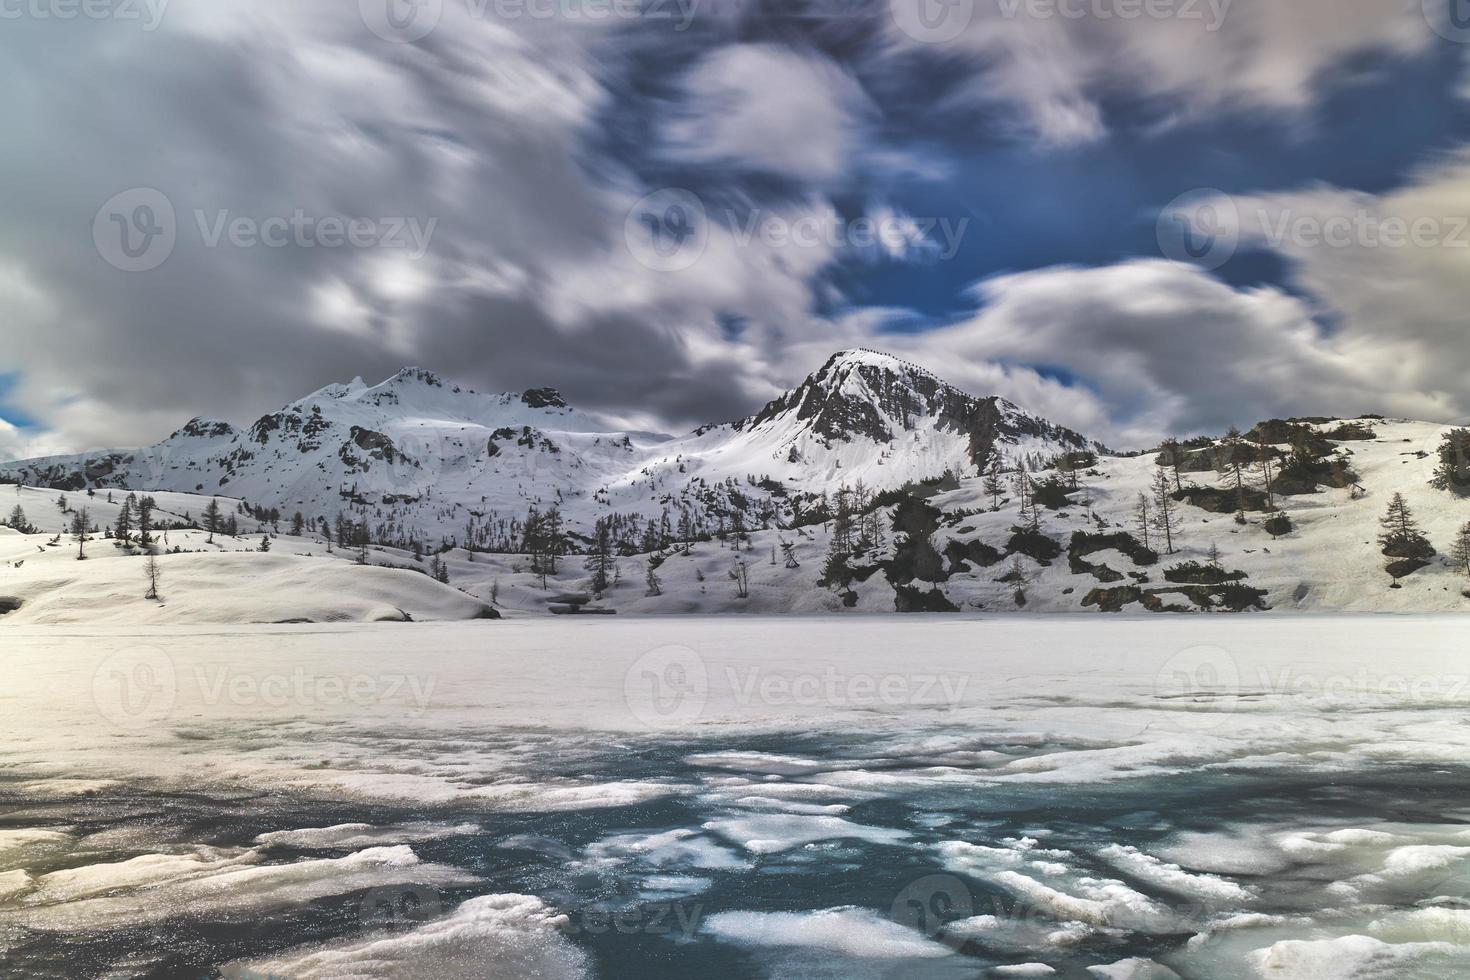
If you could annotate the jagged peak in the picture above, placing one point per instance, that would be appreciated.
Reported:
(544, 398)
(878, 358)
(415, 375)
(203, 427)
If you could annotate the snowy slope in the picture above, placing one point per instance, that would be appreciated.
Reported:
(947, 545)
(1330, 560)
(422, 458)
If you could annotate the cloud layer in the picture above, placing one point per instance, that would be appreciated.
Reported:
(827, 159)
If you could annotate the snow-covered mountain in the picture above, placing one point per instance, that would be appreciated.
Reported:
(424, 458)
(1303, 533)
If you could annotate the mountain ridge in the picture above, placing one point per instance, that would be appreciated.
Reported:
(436, 452)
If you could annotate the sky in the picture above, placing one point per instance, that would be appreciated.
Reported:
(1135, 217)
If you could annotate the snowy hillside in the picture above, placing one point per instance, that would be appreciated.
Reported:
(946, 547)
(871, 487)
(201, 578)
(419, 459)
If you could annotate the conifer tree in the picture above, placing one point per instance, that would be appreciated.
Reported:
(79, 526)
(211, 519)
(123, 528)
(154, 576)
(1143, 520)
(1401, 536)
(1231, 463)
(1166, 520)
(17, 520)
(1460, 550)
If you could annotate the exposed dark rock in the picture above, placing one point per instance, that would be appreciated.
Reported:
(1194, 573)
(977, 552)
(543, 398)
(907, 599)
(1223, 500)
(1033, 544)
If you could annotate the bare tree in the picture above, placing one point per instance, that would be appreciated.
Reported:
(1166, 520)
(741, 578)
(1232, 463)
(154, 575)
(211, 519)
(1143, 520)
(79, 526)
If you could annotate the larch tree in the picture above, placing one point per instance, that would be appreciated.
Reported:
(1460, 550)
(80, 526)
(211, 519)
(600, 560)
(1453, 470)
(993, 488)
(154, 576)
(1166, 519)
(1400, 535)
(1231, 463)
(17, 520)
(123, 528)
(1143, 520)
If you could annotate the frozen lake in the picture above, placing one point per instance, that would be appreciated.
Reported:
(950, 797)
